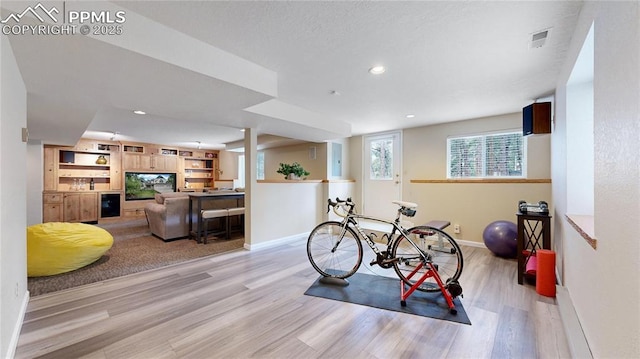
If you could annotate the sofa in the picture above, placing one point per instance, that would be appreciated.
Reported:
(168, 216)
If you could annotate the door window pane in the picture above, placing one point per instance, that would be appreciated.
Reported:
(381, 159)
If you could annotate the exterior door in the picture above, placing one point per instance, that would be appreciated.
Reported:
(382, 182)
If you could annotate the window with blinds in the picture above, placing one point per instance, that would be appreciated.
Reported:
(482, 156)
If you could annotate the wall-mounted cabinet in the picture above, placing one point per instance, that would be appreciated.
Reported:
(198, 154)
(199, 172)
(67, 168)
(76, 169)
(147, 162)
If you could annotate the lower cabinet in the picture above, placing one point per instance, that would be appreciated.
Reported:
(70, 207)
(52, 207)
(134, 213)
(80, 207)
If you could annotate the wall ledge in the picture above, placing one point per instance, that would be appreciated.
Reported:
(305, 181)
(339, 181)
(584, 225)
(484, 180)
(289, 181)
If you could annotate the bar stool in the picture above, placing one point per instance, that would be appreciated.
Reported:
(239, 211)
(210, 214)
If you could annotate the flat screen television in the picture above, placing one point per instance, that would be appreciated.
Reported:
(143, 185)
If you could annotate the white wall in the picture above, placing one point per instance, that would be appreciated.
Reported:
(228, 164)
(580, 149)
(35, 181)
(472, 206)
(356, 150)
(603, 284)
(317, 167)
(13, 209)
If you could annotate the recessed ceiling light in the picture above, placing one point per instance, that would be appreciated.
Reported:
(410, 115)
(377, 70)
(139, 112)
(242, 130)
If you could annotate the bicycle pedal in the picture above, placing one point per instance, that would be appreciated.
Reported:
(390, 260)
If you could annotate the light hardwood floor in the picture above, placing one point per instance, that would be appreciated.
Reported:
(251, 304)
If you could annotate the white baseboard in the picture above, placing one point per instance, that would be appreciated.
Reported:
(578, 345)
(470, 243)
(276, 242)
(13, 344)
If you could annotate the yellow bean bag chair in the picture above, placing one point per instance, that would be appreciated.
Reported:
(56, 247)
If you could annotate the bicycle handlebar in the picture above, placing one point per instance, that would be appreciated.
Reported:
(340, 203)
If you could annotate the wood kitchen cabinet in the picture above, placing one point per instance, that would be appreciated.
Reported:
(52, 207)
(70, 206)
(80, 207)
(144, 162)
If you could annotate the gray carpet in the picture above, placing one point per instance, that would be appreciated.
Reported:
(134, 250)
(384, 293)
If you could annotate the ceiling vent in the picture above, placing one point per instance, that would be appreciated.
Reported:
(539, 38)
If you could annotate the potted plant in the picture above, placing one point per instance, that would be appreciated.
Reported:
(292, 171)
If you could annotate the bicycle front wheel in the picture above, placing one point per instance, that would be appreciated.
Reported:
(437, 246)
(333, 254)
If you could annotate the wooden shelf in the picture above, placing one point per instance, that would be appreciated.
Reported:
(77, 165)
(134, 149)
(169, 151)
(199, 172)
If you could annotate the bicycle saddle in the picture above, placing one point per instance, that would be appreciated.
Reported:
(409, 205)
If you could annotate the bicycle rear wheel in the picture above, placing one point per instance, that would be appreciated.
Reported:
(332, 255)
(437, 246)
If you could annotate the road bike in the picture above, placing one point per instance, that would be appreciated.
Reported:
(424, 258)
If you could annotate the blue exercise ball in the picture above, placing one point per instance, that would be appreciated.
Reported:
(501, 237)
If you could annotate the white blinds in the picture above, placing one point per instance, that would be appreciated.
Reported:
(495, 155)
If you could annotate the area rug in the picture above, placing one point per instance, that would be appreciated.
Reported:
(134, 250)
(384, 293)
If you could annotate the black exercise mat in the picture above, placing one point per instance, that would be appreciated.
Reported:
(384, 293)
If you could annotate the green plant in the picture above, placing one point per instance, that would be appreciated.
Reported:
(294, 168)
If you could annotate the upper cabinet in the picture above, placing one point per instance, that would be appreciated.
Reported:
(144, 162)
(74, 168)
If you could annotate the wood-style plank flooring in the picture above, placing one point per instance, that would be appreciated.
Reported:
(247, 304)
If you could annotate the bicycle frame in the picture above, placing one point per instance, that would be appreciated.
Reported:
(351, 218)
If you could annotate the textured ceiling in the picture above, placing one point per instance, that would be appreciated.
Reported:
(446, 61)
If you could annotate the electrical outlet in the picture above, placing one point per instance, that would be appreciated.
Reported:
(456, 228)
